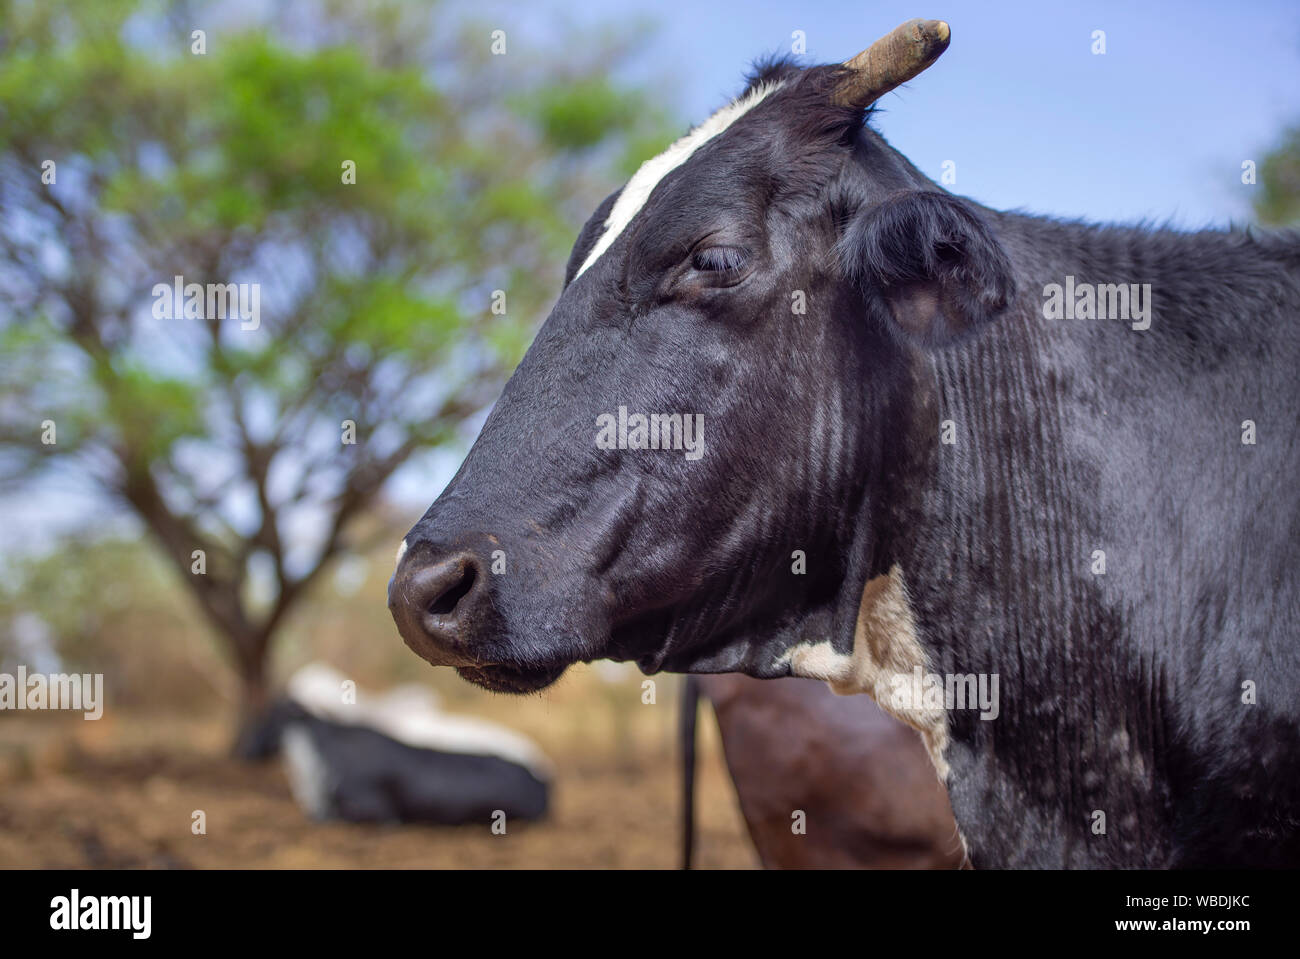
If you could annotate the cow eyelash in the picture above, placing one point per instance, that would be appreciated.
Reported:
(719, 259)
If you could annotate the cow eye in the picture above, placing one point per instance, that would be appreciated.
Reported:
(720, 259)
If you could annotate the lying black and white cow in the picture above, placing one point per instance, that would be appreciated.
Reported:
(1030, 484)
(397, 757)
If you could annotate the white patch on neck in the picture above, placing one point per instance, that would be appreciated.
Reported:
(643, 182)
(411, 714)
(885, 644)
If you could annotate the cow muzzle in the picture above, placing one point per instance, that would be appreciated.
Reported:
(441, 600)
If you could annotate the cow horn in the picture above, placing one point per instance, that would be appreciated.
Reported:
(891, 60)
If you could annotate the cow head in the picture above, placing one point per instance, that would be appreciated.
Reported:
(687, 468)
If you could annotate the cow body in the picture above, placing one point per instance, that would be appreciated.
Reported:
(932, 469)
(358, 774)
(830, 782)
(1123, 690)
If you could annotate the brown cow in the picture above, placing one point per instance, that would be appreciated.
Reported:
(863, 780)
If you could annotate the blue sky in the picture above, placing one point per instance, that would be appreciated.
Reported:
(1155, 128)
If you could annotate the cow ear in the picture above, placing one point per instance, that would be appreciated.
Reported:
(932, 262)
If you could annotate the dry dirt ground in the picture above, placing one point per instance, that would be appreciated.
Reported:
(121, 792)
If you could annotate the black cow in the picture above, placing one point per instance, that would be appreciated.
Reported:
(799, 411)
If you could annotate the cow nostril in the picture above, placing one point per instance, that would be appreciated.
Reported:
(446, 603)
(441, 607)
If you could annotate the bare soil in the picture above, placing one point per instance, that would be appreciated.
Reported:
(122, 792)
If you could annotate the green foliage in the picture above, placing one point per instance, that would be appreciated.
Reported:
(580, 115)
(159, 410)
(1278, 202)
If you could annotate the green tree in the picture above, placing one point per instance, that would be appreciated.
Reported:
(372, 171)
(1278, 200)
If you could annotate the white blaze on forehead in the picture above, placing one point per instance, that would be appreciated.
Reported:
(644, 181)
(401, 551)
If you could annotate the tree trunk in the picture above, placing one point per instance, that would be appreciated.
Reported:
(254, 694)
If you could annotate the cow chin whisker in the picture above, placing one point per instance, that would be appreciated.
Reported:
(511, 679)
